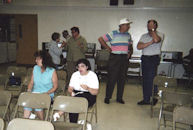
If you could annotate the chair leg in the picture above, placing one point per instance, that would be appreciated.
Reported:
(96, 118)
(160, 116)
(164, 120)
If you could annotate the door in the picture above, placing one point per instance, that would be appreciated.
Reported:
(26, 38)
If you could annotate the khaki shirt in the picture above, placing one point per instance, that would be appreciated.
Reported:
(76, 52)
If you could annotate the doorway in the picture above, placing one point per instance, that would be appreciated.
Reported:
(20, 29)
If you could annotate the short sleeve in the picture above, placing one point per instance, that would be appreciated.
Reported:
(142, 38)
(72, 80)
(108, 37)
(93, 81)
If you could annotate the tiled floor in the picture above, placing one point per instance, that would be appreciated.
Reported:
(128, 116)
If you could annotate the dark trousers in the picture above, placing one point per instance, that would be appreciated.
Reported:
(91, 101)
(117, 72)
(149, 71)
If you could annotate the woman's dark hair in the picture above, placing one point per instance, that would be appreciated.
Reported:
(154, 21)
(76, 29)
(84, 61)
(55, 36)
(46, 58)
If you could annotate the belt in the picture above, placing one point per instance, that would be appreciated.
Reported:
(150, 55)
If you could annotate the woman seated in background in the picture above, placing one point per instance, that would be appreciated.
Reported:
(83, 83)
(43, 80)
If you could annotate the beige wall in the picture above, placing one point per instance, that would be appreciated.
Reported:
(175, 20)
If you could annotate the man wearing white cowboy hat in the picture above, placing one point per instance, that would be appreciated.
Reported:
(121, 50)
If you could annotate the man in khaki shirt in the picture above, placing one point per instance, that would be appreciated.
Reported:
(76, 48)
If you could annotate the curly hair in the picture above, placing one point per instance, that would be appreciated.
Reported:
(84, 61)
(46, 58)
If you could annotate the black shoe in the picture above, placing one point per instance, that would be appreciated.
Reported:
(155, 101)
(120, 101)
(107, 101)
(143, 103)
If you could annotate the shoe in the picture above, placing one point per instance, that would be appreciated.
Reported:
(143, 103)
(107, 101)
(56, 116)
(155, 101)
(120, 101)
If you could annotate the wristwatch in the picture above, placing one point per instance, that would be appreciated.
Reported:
(153, 30)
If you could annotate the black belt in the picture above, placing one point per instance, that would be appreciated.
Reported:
(118, 54)
(150, 55)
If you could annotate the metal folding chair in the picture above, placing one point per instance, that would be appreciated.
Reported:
(1, 124)
(161, 83)
(182, 115)
(33, 100)
(169, 100)
(5, 99)
(26, 124)
(68, 104)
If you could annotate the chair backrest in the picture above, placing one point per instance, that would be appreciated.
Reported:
(183, 115)
(70, 104)
(176, 98)
(1, 124)
(102, 57)
(34, 100)
(3, 79)
(18, 71)
(163, 81)
(61, 75)
(26, 124)
(28, 76)
(5, 99)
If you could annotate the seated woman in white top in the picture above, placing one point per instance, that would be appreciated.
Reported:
(83, 83)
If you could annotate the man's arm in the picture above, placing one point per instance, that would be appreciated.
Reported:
(142, 45)
(104, 44)
(130, 51)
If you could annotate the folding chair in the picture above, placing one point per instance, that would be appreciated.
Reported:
(26, 124)
(92, 111)
(161, 83)
(169, 100)
(134, 69)
(18, 72)
(5, 99)
(1, 124)
(33, 100)
(27, 78)
(102, 57)
(182, 115)
(69, 104)
(61, 82)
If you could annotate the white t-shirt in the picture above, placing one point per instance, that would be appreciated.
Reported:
(91, 80)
